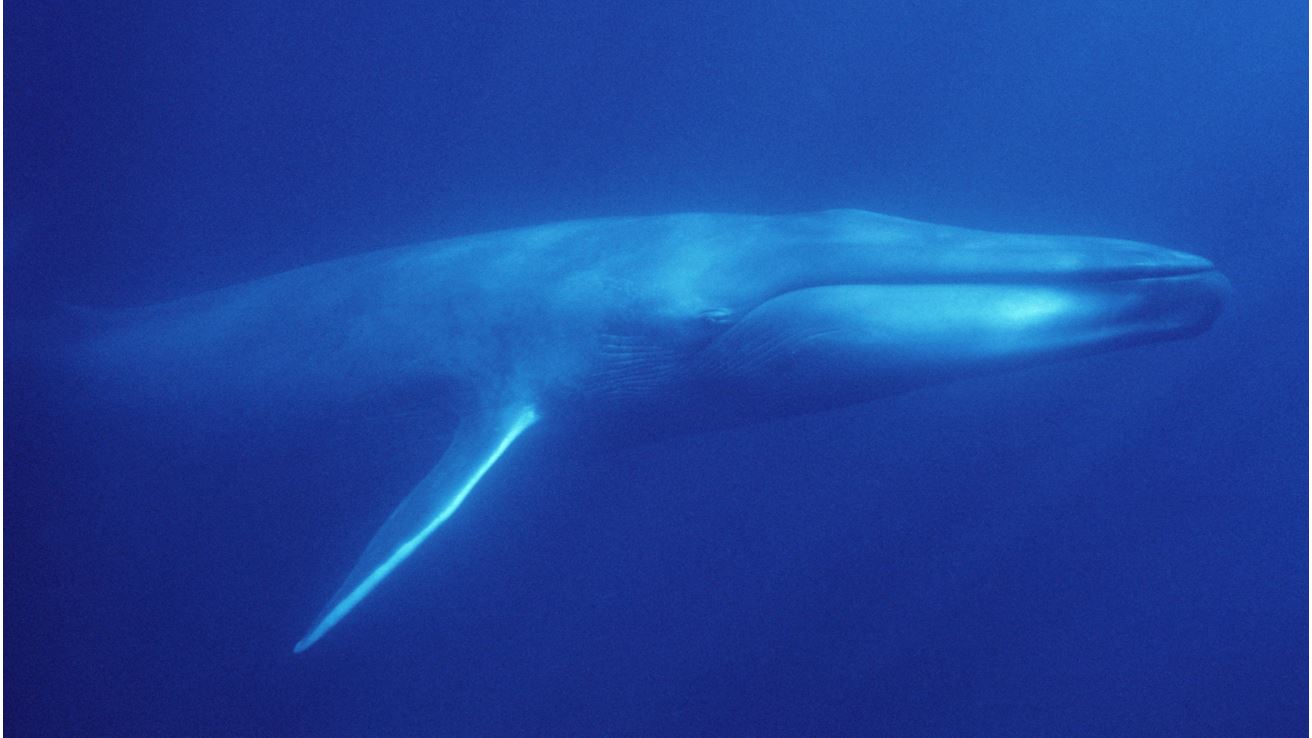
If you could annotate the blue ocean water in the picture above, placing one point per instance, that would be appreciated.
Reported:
(1110, 546)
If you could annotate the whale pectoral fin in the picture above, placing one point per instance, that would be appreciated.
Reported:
(478, 443)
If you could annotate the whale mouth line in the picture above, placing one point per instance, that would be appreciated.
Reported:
(1176, 284)
(1144, 276)
(1021, 279)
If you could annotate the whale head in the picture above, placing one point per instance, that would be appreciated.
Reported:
(803, 313)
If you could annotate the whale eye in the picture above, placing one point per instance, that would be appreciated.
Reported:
(715, 316)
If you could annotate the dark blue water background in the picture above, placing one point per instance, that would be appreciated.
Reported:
(1110, 546)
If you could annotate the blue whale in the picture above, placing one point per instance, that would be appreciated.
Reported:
(625, 329)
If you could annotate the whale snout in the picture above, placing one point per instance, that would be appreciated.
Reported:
(1182, 306)
(1188, 261)
(1160, 262)
(1143, 292)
